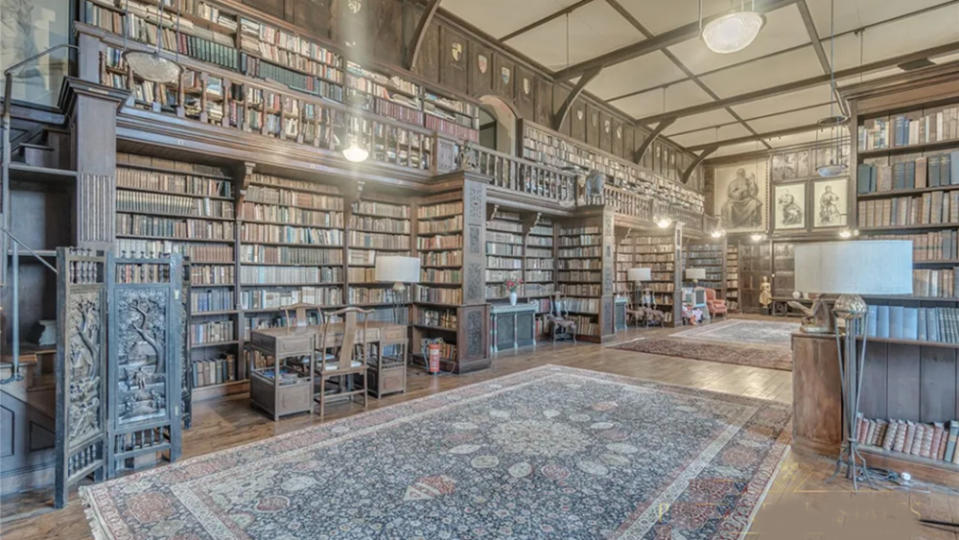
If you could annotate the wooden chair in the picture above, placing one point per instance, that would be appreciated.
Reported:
(562, 326)
(715, 305)
(343, 357)
(638, 314)
(301, 319)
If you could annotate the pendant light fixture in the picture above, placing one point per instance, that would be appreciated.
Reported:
(150, 65)
(732, 32)
(834, 122)
(353, 151)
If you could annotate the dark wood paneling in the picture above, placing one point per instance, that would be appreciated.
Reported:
(428, 62)
(503, 75)
(525, 93)
(937, 402)
(593, 125)
(386, 20)
(313, 14)
(817, 397)
(559, 96)
(544, 102)
(481, 69)
(903, 373)
(618, 134)
(629, 141)
(454, 58)
(873, 398)
(605, 132)
(271, 7)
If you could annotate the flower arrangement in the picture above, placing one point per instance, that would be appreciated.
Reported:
(513, 284)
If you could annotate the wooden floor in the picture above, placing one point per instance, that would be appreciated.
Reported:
(800, 503)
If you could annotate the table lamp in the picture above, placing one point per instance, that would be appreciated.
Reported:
(637, 276)
(399, 271)
(852, 269)
(695, 274)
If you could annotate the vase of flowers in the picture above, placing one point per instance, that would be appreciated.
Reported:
(512, 285)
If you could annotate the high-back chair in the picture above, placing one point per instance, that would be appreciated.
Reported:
(562, 326)
(715, 305)
(344, 351)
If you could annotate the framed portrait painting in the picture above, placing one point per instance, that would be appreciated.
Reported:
(830, 203)
(740, 196)
(789, 201)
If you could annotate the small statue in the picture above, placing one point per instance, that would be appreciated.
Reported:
(466, 158)
(765, 294)
(816, 320)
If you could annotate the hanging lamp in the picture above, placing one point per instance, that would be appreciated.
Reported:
(834, 122)
(732, 32)
(152, 66)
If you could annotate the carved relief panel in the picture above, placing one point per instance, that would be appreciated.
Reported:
(454, 60)
(481, 69)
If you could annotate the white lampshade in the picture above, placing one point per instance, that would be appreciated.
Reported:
(733, 32)
(695, 273)
(395, 269)
(639, 274)
(880, 267)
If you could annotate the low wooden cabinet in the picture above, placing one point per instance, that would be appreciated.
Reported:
(512, 327)
(817, 397)
(269, 389)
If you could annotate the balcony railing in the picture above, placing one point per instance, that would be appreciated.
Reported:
(520, 175)
(628, 203)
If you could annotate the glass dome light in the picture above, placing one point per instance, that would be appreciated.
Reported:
(732, 32)
(153, 67)
(355, 153)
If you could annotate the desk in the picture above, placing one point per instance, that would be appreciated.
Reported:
(281, 396)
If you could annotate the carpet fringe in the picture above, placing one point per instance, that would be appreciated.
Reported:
(97, 528)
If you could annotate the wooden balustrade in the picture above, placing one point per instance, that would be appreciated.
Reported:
(521, 175)
(628, 203)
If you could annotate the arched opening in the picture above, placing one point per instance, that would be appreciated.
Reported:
(497, 125)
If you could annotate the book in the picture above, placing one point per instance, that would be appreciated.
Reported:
(951, 440)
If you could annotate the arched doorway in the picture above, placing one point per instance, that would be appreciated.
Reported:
(497, 125)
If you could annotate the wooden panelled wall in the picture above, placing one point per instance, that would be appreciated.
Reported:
(456, 57)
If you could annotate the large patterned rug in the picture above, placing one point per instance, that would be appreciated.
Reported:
(744, 331)
(551, 452)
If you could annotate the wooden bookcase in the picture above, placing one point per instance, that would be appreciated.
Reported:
(732, 276)
(376, 228)
(505, 253)
(539, 263)
(709, 256)
(580, 274)
(659, 253)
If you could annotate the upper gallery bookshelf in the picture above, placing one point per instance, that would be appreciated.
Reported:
(237, 43)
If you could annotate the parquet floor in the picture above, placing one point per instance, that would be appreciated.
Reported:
(800, 504)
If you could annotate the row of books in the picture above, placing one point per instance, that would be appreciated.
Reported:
(503, 237)
(503, 275)
(439, 242)
(916, 127)
(287, 234)
(908, 172)
(198, 253)
(379, 241)
(505, 226)
(252, 211)
(579, 275)
(206, 274)
(159, 203)
(278, 299)
(585, 326)
(582, 305)
(145, 225)
(447, 350)
(932, 208)
(266, 275)
(434, 295)
(538, 289)
(220, 299)
(381, 209)
(366, 295)
(922, 439)
(441, 318)
(272, 195)
(209, 332)
(581, 240)
(173, 183)
(290, 255)
(928, 247)
(441, 258)
(214, 371)
(539, 275)
(581, 289)
(439, 210)
(142, 273)
(505, 263)
(580, 264)
(533, 263)
(934, 283)
(433, 275)
(301, 74)
(593, 251)
(513, 250)
(454, 223)
(380, 224)
(923, 324)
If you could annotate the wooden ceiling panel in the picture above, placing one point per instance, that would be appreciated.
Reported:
(783, 30)
(679, 95)
(792, 119)
(594, 29)
(806, 97)
(706, 136)
(698, 121)
(489, 15)
(770, 71)
(642, 72)
(740, 148)
(798, 138)
(853, 14)
(659, 18)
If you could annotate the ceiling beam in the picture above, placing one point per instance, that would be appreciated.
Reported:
(760, 136)
(800, 84)
(546, 19)
(699, 159)
(661, 41)
(563, 111)
(643, 148)
(813, 35)
(420, 33)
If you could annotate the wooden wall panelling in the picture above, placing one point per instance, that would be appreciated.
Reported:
(577, 120)
(904, 371)
(593, 125)
(454, 60)
(605, 132)
(385, 20)
(617, 136)
(629, 142)
(544, 102)
(817, 406)
(503, 73)
(480, 69)
(937, 376)
(313, 14)
(524, 92)
(272, 7)
(428, 61)
(559, 96)
(874, 377)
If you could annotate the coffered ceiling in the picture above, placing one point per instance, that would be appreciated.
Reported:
(655, 67)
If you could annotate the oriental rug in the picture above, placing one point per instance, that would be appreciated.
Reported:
(744, 332)
(550, 452)
(727, 353)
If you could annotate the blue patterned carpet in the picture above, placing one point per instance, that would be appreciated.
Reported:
(551, 452)
(744, 331)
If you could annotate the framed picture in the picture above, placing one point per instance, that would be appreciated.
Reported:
(740, 196)
(790, 206)
(830, 203)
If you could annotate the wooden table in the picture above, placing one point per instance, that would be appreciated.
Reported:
(281, 343)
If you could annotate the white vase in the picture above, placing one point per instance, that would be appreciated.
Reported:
(512, 298)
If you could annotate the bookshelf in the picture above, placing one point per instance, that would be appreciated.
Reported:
(165, 206)
(505, 254)
(579, 274)
(732, 276)
(709, 256)
(377, 228)
(539, 264)
(658, 252)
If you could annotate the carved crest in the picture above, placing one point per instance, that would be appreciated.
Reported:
(456, 51)
(579, 114)
(527, 86)
(355, 6)
(619, 132)
(482, 62)
(607, 126)
(505, 74)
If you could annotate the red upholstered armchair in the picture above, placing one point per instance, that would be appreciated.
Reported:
(715, 305)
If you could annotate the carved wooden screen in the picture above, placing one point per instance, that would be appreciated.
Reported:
(145, 359)
(81, 368)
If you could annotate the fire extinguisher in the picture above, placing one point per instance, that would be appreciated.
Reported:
(433, 353)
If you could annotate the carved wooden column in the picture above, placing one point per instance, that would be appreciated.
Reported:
(91, 109)
(607, 317)
(475, 312)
